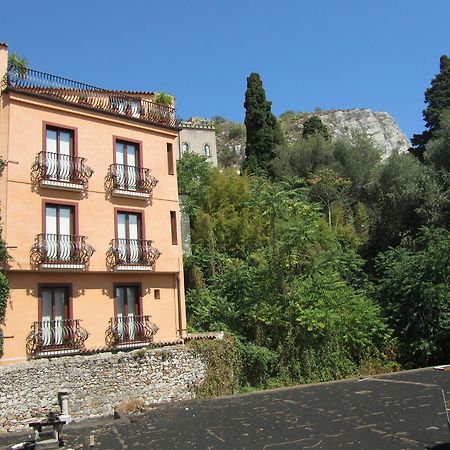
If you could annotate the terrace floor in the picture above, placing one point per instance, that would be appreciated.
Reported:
(395, 411)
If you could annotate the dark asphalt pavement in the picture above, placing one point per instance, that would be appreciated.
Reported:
(396, 411)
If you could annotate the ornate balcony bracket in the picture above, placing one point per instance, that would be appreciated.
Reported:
(60, 251)
(134, 254)
(50, 336)
(129, 181)
(129, 330)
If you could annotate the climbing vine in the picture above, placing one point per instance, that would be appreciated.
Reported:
(4, 283)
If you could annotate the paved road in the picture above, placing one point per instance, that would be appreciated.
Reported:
(396, 411)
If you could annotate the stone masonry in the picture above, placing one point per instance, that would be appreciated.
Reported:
(98, 384)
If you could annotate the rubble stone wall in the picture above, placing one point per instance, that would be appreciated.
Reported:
(98, 384)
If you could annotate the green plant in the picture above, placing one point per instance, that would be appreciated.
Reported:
(163, 98)
(223, 366)
(235, 132)
(18, 64)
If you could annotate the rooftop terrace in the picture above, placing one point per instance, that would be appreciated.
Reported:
(131, 104)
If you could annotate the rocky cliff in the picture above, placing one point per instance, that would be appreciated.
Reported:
(379, 126)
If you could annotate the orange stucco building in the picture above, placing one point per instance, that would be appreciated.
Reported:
(90, 216)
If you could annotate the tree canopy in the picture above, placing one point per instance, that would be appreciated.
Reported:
(437, 98)
(263, 132)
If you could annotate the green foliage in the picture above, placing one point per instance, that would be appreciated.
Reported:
(163, 98)
(193, 173)
(18, 64)
(259, 365)
(438, 149)
(262, 128)
(266, 267)
(414, 289)
(313, 125)
(227, 157)
(223, 366)
(235, 132)
(403, 196)
(437, 98)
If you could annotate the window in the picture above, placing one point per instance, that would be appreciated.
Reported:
(127, 164)
(157, 294)
(128, 225)
(129, 235)
(173, 227)
(127, 309)
(207, 150)
(170, 164)
(59, 232)
(54, 312)
(185, 148)
(59, 152)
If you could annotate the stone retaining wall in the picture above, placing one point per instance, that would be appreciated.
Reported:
(98, 384)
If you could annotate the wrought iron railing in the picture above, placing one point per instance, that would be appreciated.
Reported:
(41, 83)
(131, 252)
(58, 334)
(60, 249)
(130, 329)
(130, 178)
(60, 168)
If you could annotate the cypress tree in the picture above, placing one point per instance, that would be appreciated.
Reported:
(437, 97)
(263, 130)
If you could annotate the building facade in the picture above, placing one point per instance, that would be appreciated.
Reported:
(90, 216)
(199, 137)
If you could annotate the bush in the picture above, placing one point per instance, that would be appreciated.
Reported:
(235, 132)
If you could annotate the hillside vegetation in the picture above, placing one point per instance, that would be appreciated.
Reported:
(325, 258)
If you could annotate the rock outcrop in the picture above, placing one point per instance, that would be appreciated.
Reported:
(379, 126)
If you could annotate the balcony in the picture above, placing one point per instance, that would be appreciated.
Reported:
(51, 86)
(53, 170)
(130, 331)
(131, 255)
(54, 337)
(130, 181)
(60, 251)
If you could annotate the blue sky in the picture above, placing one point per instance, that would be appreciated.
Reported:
(325, 53)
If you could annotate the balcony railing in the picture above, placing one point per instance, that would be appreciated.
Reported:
(60, 251)
(130, 181)
(58, 335)
(60, 170)
(131, 254)
(40, 83)
(130, 330)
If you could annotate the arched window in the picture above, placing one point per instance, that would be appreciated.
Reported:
(185, 148)
(207, 150)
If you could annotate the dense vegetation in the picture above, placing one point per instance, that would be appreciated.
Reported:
(322, 260)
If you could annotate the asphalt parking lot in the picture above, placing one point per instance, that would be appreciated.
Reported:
(396, 411)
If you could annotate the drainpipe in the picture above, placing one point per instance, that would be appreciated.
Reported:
(180, 311)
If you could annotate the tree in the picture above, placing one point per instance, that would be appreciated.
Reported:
(437, 97)
(314, 125)
(263, 130)
(414, 288)
(18, 64)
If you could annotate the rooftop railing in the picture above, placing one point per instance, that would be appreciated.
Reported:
(44, 84)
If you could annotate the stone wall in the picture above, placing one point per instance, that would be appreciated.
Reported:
(98, 384)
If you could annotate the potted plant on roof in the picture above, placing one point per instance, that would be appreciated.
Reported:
(163, 98)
